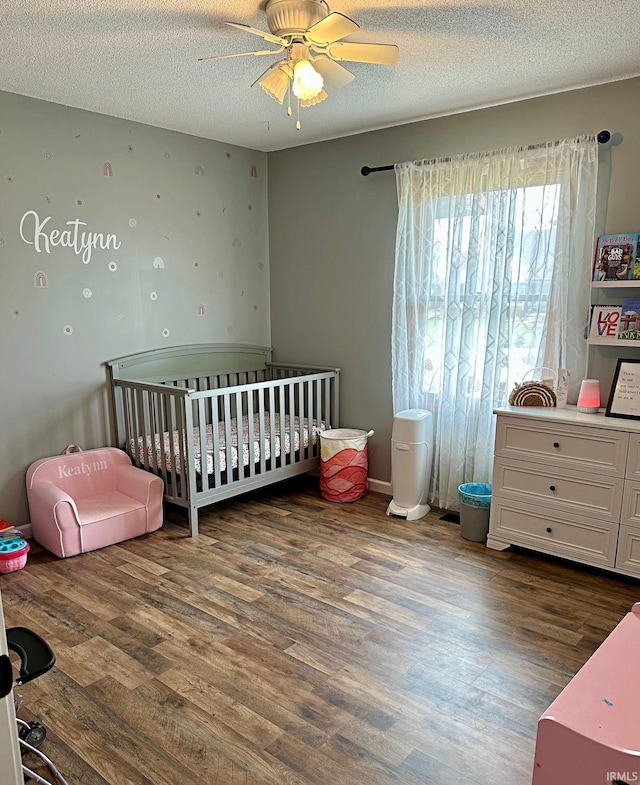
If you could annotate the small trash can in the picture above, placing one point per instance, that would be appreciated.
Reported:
(344, 464)
(475, 503)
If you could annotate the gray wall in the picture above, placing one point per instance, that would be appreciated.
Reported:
(190, 216)
(332, 233)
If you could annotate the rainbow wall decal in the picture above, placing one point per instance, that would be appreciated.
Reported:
(107, 169)
(40, 280)
(202, 311)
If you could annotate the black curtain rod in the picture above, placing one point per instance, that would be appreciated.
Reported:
(603, 138)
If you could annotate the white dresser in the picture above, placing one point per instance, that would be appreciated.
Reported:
(568, 484)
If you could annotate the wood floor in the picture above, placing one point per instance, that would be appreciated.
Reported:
(300, 642)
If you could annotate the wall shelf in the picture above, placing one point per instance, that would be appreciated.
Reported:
(612, 342)
(635, 284)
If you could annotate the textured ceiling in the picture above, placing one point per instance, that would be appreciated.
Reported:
(138, 59)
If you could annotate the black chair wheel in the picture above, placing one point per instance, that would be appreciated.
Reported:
(34, 735)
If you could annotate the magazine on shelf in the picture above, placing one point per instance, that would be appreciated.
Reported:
(617, 258)
(605, 320)
(629, 326)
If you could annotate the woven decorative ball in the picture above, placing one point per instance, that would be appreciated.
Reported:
(532, 394)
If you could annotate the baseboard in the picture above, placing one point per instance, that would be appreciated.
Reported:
(379, 486)
(26, 531)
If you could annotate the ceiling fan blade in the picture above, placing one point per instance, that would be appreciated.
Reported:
(334, 74)
(274, 39)
(243, 54)
(378, 54)
(331, 28)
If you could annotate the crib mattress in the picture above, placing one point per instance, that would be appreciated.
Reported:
(173, 444)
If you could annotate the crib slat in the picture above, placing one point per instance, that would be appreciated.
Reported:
(251, 437)
(181, 458)
(239, 425)
(283, 426)
(204, 448)
(262, 436)
(171, 427)
(272, 426)
(227, 437)
(215, 428)
(132, 449)
(161, 429)
(294, 456)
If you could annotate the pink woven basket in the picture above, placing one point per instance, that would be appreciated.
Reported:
(14, 561)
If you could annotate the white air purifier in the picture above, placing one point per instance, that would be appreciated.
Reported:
(411, 461)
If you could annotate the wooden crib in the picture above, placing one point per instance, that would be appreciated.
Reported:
(216, 420)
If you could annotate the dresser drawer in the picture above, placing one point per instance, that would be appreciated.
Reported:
(558, 533)
(562, 489)
(628, 556)
(633, 461)
(594, 450)
(631, 504)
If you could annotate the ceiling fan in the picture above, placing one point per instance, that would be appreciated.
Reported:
(311, 36)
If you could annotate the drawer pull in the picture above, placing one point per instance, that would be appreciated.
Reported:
(556, 445)
(552, 487)
(549, 529)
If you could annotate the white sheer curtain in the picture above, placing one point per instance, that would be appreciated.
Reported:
(493, 264)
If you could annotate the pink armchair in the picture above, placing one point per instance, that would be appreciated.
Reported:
(81, 501)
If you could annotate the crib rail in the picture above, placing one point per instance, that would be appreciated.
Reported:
(279, 410)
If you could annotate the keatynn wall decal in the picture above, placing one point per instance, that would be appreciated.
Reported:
(32, 232)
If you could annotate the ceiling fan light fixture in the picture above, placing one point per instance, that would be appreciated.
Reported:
(313, 101)
(276, 84)
(307, 82)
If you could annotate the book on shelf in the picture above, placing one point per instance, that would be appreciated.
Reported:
(617, 257)
(605, 320)
(629, 324)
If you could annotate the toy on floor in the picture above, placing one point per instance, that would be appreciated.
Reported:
(13, 548)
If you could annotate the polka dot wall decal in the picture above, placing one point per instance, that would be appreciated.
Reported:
(119, 317)
(87, 294)
(228, 155)
(255, 307)
(195, 264)
(236, 242)
(112, 267)
(249, 207)
(229, 329)
(165, 333)
(223, 209)
(79, 202)
(130, 148)
(16, 313)
(242, 293)
(67, 329)
(154, 295)
(157, 196)
(261, 266)
(198, 214)
(10, 179)
(48, 200)
(220, 274)
(78, 136)
(48, 156)
(133, 223)
(167, 156)
(158, 263)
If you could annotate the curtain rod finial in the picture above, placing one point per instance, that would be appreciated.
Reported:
(365, 171)
(604, 136)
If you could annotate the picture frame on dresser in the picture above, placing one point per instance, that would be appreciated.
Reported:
(624, 398)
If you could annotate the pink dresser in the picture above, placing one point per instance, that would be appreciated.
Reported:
(590, 735)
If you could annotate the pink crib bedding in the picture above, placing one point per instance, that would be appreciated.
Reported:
(222, 452)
